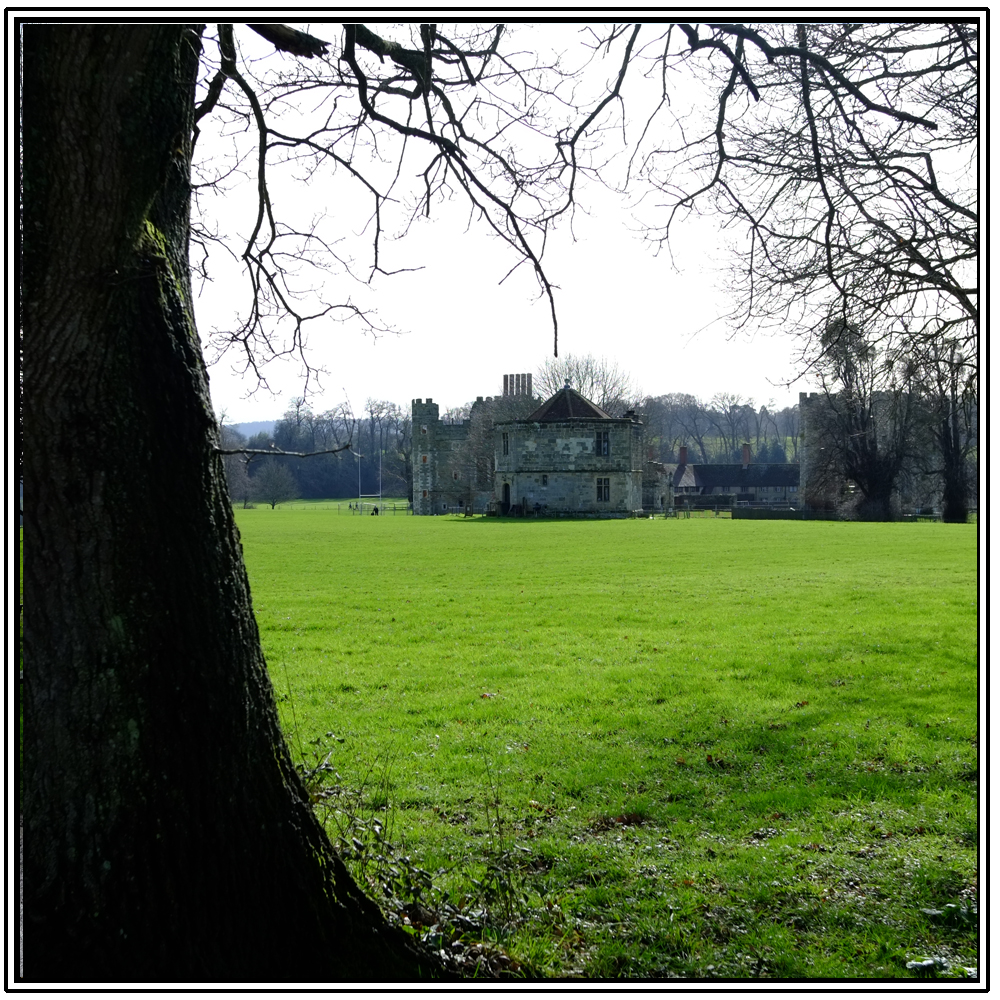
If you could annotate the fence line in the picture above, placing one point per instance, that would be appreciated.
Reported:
(751, 512)
(354, 507)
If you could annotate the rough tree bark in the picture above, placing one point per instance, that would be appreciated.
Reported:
(955, 496)
(167, 836)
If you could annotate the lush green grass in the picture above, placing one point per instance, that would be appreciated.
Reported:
(693, 747)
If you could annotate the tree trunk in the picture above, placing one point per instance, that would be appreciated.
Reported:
(955, 495)
(878, 507)
(875, 476)
(167, 836)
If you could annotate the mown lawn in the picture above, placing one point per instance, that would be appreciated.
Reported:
(693, 748)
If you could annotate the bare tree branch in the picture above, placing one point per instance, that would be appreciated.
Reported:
(286, 39)
(279, 451)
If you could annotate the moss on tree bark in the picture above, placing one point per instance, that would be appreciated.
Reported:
(166, 834)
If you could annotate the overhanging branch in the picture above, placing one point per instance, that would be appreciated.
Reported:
(286, 39)
(282, 452)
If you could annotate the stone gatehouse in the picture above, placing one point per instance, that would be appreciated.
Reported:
(454, 462)
(562, 456)
(569, 457)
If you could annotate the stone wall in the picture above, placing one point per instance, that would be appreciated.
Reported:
(556, 465)
(444, 473)
(818, 483)
(425, 426)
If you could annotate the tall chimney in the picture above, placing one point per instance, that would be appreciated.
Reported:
(505, 385)
(746, 455)
(529, 383)
(518, 384)
(682, 455)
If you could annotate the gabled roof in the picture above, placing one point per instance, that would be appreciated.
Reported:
(710, 476)
(568, 404)
(684, 477)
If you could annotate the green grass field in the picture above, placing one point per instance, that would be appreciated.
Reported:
(687, 748)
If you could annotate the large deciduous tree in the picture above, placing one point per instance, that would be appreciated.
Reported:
(949, 387)
(274, 483)
(863, 421)
(847, 154)
(166, 834)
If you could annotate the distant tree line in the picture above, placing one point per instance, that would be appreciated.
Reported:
(881, 436)
(376, 457)
(714, 432)
(381, 438)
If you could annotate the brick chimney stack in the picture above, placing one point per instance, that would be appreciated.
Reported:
(746, 455)
(517, 384)
(682, 455)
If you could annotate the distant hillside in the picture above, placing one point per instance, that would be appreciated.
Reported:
(255, 427)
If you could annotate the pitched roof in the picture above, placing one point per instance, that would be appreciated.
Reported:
(568, 404)
(710, 476)
(684, 477)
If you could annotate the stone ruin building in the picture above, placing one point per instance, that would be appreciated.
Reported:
(565, 456)
(569, 457)
(453, 463)
(514, 452)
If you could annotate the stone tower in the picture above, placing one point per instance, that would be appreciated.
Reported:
(425, 417)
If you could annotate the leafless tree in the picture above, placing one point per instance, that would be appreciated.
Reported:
(456, 414)
(730, 414)
(391, 442)
(399, 471)
(693, 417)
(846, 152)
(765, 426)
(864, 423)
(664, 430)
(342, 424)
(273, 483)
(237, 478)
(949, 413)
(789, 429)
(602, 381)
(466, 113)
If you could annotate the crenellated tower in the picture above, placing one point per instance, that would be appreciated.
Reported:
(426, 421)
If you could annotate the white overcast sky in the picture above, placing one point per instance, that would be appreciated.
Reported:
(460, 330)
